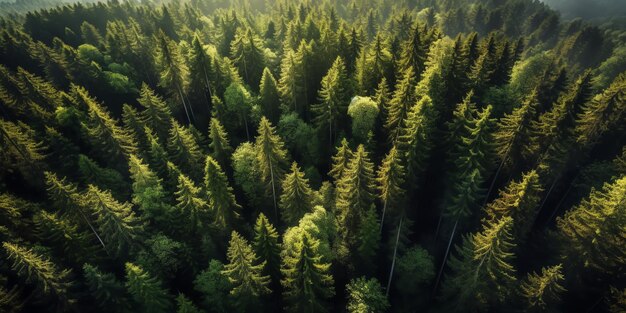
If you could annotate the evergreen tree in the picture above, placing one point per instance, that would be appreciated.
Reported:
(156, 155)
(174, 72)
(513, 132)
(390, 180)
(214, 287)
(543, 290)
(366, 296)
(340, 161)
(104, 178)
(369, 240)
(400, 104)
(291, 86)
(482, 273)
(220, 145)
(269, 96)
(245, 273)
(72, 243)
(272, 158)
(200, 78)
(185, 305)
(108, 292)
(148, 193)
(156, 114)
(220, 195)
(306, 279)
(190, 204)
(333, 99)
(184, 149)
(35, 268)
(266, 246)
(247, 54)
(414, 52)
(297, 197)
(146, 290)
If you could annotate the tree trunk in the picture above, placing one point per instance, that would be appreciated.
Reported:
(445, 257)
(393, 262)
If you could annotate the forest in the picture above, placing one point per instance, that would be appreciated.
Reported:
(311, 156)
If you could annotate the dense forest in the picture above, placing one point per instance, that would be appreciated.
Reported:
(311, 156)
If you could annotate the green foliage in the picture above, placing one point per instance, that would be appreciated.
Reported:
(214, 287)
(220, 145)
(366, 296)
(185, 305)
(542, 290)
(269, 96)
(297, 197)
(184, 149)
(146, 290)
(271, 157)
(220, 195)
(364, 113)
(108, 292)
(333, 98)
(266, 246)
(191, 204)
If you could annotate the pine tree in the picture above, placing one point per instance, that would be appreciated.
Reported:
(272, 158)
(156, 114)
(146, 290)
(366, 296)
(184, 149)
(220, 145)
(543, 290)
(245, 273)
(185, 305)
(105, 178)
(35, 268)
(306, 279)
(117, 224)
(174, 72)
(267, 247)
(482, 273)
(369, 240)
(70, 242)
(602, 113)
(134, 126)
(390, 180)
(148, 193)
(290, 85)
(592, 230)
(297, 197)
(518, 200)
(190, 204)
(157, 157)
(340, 161)
(269, 96)
(414, 52)
(200, 78)
(247, 54)
(108, 292)
(333, 99)
(355, 193)
(400, 104)
(20, 149)
(220, 195)
(513, 133)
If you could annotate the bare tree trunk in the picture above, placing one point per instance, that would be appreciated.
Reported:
(393, 262)
(445, 257)
(273, 191)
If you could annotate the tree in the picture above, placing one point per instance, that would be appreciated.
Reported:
(220, 195)
(156, 113)
(184, 149)
(306, 279)
(269, 96)
(267, 247)
(364, 113)
(366, 296)
(185, 305)
(291, 84)
(35, 268)
(369, 240)
(174, 72)
(482, 273)
(146, 290)
(148, 193)
(117, 224)
(340, 161)
(543, 290)
(247, 175)
(333, 99)
(74, 244)
(200, 79)
(272, 158)
(390, 179)
(591, 230)
(245, 273)
(108, 292)
(400, 105)
(191, 205)
(214, 287)
(238, 103)
(297, 197)
(220, 145)
(416, 269)
(414, 51)
(105, 178)
(247, 54)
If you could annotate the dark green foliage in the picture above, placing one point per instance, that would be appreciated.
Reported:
(214, 287)
(366, 295)
(108, 292)
(146, 290)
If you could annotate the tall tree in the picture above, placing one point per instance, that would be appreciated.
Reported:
(542, 290)
(148, 193)
(247, 54)
(146, 290)
(340, 161)
(390, 180)
(156, 113)
(108, 292)
(269, 96)
(333, 99)
(220, 195)
(200, 79)
(220, 145)
(400, 104)
(272, 158)
(297, 197)
(174, 71)
(184, 149)
(191, 205)
(267, 247)
(366, 295)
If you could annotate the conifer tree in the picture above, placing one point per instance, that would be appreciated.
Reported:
(200, 78)
(518, 200)
(291, 83)
(220, 195)
(333, 99)
(414, 52)
(390, 180)
(116, 222)
(108, 292)
(190, 204)
(220, 145)
(245, 273)
(184, 305)
(20, 149)
(269, 96)
(184, 149)
(297, 197)
(306, 279)
(156, 113)
(156, 155)
(382, 97)
(400, 104)
(482, 273)
(72, 243)
(267, 247)
(238, 105)
(355, 193)
(272, 158)
(133, 126)
(105, 178)
(591, 230)
(369, 240)
(146, 290)
(148, 193)
(247, 54)
(174, 72)
(366, 295)
(340, 161)
(37, 269)
(543, 290)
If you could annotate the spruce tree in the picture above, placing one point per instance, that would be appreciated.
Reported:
(156, 113)
(37, 269)
(333, 99)
(414, 52)
(184, 149)
(543, 290)
(191, 205)
(291, 85)
(184, 305)
(108, 292)
(247, 54)
(400, 105)
(267, 247)
(157, 156)
(146, 290)
(306, 279)
(221, 198)
(269, 96)
(390, 180)
(174, 72)
(245, 273)
(220, 145)
(272, 158)
(340, 161)
(148, 193)
(297, 197)
(73, 244)
(200, 78)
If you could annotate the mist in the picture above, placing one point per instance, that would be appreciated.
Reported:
(589, 9)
